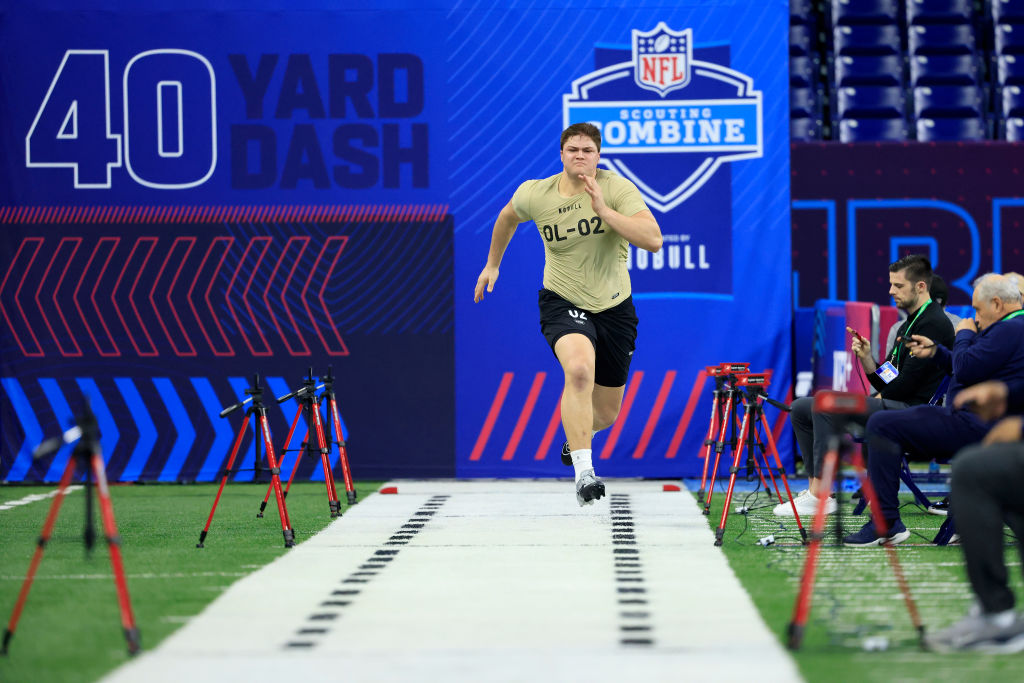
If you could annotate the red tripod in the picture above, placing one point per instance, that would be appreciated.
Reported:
(840, 404)
(310, 405)
(754, 384)
(262, 427)
(86, 455)
(723, 374)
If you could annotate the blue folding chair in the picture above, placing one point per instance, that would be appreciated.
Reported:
(1008, 11)
(868, 70)
(866, 39)
(950, 130)
(871, 102)
(944, 70)
(939, 11)
(873, 130)
(941, 39)
(804, 129)
(1009, 39)
(948, 101)
(865, 12)
(1014, 131)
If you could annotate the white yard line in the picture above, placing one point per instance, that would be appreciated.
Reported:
(485, 581)
(11, 504)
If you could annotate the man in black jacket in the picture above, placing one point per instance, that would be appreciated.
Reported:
(903, 381)
(988, 492)
(989, 346)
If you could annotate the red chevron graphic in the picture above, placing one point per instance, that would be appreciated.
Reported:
(151, 241)
(524, 416)
(54, 258)
(627, 404)
(190, 242)
(684, 421)
(492, 416)
(341, 241)
(549, 433)
(655, 415)
(38, 241)
(294, 331)
(245, 295)
(112, 350)
(226, 242)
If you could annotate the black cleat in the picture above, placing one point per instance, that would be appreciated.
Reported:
(589, 488)
(566, 455)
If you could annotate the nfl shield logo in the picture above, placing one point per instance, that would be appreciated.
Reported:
(662, 58)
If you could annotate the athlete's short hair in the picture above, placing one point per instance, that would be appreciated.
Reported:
(588, 129)
(917, 266)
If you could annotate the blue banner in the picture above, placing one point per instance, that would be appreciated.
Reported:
(192, 196)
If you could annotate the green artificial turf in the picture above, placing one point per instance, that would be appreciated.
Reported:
(857, 600)
(70, 629)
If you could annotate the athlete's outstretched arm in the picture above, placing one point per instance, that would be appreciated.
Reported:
(504, 228)
(641, 229)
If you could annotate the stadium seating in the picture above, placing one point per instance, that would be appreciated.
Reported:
(804, 129)
(941, 39)
(871, 102)
(941, 130)
(868, 70)
(939, 11)
(865, 11)
(1007, 11)
(868, 39)
(873, 130)
(948, 101)
(959, 65)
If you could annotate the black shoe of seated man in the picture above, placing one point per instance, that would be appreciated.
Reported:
(566, 455)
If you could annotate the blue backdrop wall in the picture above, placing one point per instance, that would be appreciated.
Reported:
(192, 195)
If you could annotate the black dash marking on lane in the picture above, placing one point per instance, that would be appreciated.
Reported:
(375, 562)
(636, 641)
(629, 573)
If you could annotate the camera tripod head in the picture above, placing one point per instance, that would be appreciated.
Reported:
(843, 405)
(255, 393)
(308, 389)
(86, 431)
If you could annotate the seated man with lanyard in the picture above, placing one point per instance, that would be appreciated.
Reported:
(987, 347)
(915, 380)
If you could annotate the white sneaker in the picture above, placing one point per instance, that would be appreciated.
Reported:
(806, 506)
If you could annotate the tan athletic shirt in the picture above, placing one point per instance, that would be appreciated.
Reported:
(584, 261)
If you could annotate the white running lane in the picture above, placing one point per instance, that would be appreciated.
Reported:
(485, 581)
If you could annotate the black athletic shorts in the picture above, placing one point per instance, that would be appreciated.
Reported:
(612, 332)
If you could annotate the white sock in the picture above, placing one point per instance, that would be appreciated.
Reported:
(581, 461)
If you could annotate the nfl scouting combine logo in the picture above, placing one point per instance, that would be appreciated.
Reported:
(668, 121)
